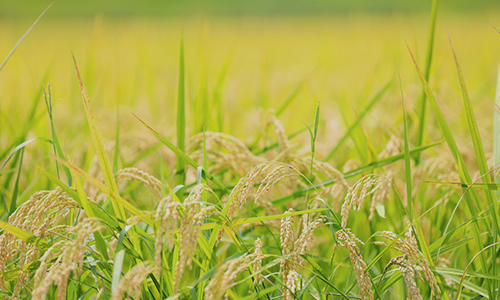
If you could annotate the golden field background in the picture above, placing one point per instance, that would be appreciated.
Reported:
(343, 59)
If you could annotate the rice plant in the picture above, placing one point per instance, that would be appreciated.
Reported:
(174, 185)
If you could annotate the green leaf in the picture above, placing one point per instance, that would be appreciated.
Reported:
(57, 147)
(121, 238)
(428, 62)
(84, 201)
(483, 186)
(380, 208)
(274, 217)
(106, 169)
(12, 275)
(474, 203)
(180, 164)
(496, 129)
(21, 146)
(476, 140)
(117, 270)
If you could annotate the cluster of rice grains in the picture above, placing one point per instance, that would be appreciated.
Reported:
(225, 276)
(377, 186)
(133, 174)
(38, 216)
(269, 177)
(132, 281)
(224, 152)
(409, 261)
(292, 248)
(192, 219)
(68, 255)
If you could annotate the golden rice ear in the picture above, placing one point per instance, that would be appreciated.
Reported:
(393, 147)
(167, 216)
(257, 262)
(347, 239)
(408, 246)
(133, 174)
(294, 248)
(191, 223)
(408, 272)
(362, 189)
(271, 120)
(132, 281)
(37, 217)
(69, 255)
(225, 277)
(224, 151)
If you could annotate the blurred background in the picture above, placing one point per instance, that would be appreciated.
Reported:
(158, 8)
(243, 58)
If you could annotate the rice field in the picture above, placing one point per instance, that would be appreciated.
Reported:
(249, 157)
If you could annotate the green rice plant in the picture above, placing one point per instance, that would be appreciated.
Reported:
(252, 210)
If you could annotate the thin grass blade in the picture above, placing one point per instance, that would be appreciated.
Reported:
(496, 130)
(107, 171)
(183, 155)
(428, 63)
(180, 164)
(24, 35)
(376, 98)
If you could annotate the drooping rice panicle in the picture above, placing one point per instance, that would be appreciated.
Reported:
(408, 273)
(134, 174)
(132, 282)
(408, 246)
(347, 239)
(168, 216)
(37, 216)
(362, 189)
(223, 280)
(69, 257)
(190, 226)
(257, 264)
